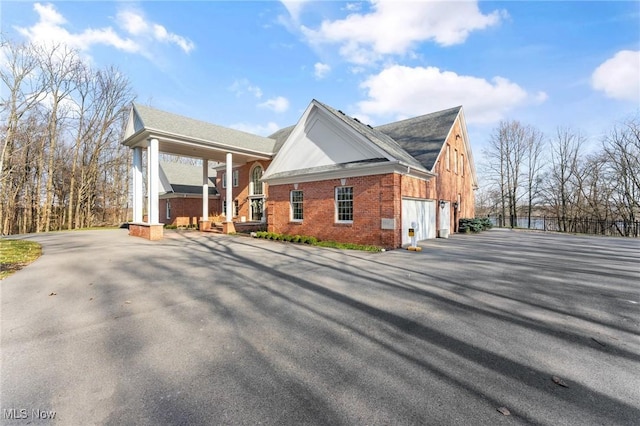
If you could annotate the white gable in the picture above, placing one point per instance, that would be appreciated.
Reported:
(320, 139)
(165, 185)
(134, 124)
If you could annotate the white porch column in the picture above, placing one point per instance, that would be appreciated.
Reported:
(137, 185)
(205, 189)
(152, 183)
(229, 195)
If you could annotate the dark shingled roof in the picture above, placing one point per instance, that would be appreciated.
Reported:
(422, 137)
(415, 141)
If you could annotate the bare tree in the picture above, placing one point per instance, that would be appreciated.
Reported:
(595, 186)
(59, 66)
(61, 161)
(534, 156)
(20, 93)
(562, 189)
(622, 150)
(513, 165)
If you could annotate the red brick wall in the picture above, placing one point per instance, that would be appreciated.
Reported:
(449, 184)
(186, 211)
(375, 197)
(150, 232)
(241, 192)
(418, 188)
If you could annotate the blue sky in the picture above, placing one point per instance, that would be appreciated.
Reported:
(255, 66)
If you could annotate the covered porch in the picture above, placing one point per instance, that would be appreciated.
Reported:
(153, 131)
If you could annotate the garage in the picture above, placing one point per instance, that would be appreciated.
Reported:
(423, 214)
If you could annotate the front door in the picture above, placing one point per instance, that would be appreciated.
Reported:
(257, 209)
(445, 218)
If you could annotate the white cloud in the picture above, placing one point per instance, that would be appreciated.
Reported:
(399, 92)
(278, 104)
(242, 86)
(257, 129)
(393, 28)
(135, 23)
(321, 70)
(619, 77)
(353, 7)
(162, 34)
(294, 7)
(50, 29)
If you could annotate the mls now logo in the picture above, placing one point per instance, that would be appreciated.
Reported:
(23, 413)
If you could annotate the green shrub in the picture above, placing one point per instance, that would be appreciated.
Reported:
(467, 225)
(304, 239)
(486, 223)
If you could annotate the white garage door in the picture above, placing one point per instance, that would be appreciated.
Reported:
(423, 214)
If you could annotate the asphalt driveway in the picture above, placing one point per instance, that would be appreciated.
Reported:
(211, 329)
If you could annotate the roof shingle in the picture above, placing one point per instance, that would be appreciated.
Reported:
(172, 123)
(423, 137)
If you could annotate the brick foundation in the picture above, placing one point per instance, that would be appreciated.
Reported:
(144, 230)
(228, 228)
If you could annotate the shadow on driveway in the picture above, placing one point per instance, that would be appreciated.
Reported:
(211, 328)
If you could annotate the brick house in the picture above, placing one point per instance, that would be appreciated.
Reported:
(337, 178)
(331, 176)
(180, 198)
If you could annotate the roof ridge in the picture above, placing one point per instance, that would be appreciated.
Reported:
(196, 120)
(422, 116)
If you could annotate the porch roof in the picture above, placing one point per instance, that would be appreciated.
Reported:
(187, 137)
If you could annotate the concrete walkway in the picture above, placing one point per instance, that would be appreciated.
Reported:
(212, 329)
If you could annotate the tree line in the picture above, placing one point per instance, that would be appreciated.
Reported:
(527, 174)
(61, 162)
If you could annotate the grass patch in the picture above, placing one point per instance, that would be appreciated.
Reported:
(16, 254)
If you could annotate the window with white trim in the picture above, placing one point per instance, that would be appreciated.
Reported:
(297, 211)
(168, 209)
(224, 179)
(344, 204)
(235, 208)
(236, 177)
(255, 186)
(455, 161)
(446, 159)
